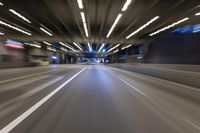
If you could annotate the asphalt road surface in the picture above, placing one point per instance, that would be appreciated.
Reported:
(94, 99)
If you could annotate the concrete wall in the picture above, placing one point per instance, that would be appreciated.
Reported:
(166, 49)
(175, 49)
(11, 54)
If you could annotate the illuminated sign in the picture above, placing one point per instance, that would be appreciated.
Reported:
(13, 44)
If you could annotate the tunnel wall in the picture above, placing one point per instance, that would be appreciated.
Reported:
(174, 49)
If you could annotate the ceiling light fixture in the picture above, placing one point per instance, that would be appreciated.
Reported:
(67, 46)
(142, 27)
(19, 15)
(127, 3)
(197, 14)
(80, 4)
(116, 51)
(33, 45)
(113, 47)
(63, 49)
(84, 24)
(169, 26)
(47, 43)
(51, 49)
(1, 4)
(78, 46)
(101, 47)
(114, 24)
(90, 48)
(45, 31)
(126, 47)
(1, 33)
(15, 28)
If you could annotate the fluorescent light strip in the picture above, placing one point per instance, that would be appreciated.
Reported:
(83, 17)
(90, 48)
(64, 49)
(51, 49)
(114, 24)
(33, 45)
(80, 4)
(77, 46)
(47, 43)
(197, 14)
(45, 31)
(126, 47)
(114, 47)
(15, 28)
(142, 27)
(169, 26)
(19, 15)
(84, 24)
(67, 46)
(116, 51)
(127, 3)
(1, 33)
(101, 47)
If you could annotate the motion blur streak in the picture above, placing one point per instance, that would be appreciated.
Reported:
(111, 100)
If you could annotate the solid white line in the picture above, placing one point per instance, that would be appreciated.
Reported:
(134, 88)
(23, 116)
(191, 123)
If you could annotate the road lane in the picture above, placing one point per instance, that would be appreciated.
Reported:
(106, 100)
(17, 96)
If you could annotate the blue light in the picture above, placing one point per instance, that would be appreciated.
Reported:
(13, 42)
(104, 50)
(54, 57)
(187, 29)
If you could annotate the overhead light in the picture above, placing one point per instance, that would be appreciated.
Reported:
(67, 46)
(80, 4)
(51, 49)
(113, 47)
(142, 27)
(127, 3)
(86, 31)
(197, 14)
(64, 49)
(90, 48)
(84, 24)
(169, 26)
(47, 43)
(114, 24)
(1, 33)
(19, 15)
(33, 45)
(116, 51)
(15, 28)
(126, 47)
(101, 47)
(45, 31)
(83, 17)
(1, 4)
(78, 46)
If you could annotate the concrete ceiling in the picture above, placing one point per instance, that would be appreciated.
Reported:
(63, 19)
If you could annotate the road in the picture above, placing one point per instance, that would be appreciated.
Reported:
(94, 99)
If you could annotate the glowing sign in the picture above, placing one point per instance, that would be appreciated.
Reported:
(13, 44)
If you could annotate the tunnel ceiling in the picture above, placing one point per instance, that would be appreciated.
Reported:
(62, 19)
